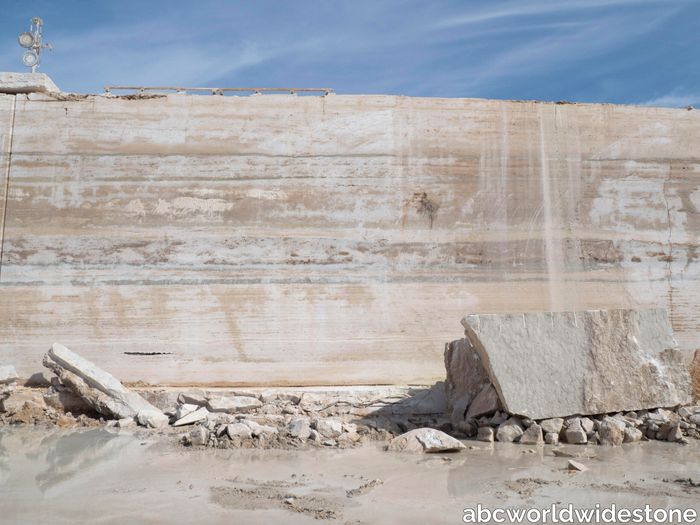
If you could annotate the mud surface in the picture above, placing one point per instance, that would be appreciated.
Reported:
(108, 477)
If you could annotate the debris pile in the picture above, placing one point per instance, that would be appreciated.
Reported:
(599, 376)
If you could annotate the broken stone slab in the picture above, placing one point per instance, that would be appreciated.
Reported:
(485, 403)
(426, 440)
(104, 393)
(465, 374)
(575, 465)
(233, 405)
(193, 396)
(575, 434)
(632, 435)
(15, 83)
(192, 417)
(259, 430)
(554, 364)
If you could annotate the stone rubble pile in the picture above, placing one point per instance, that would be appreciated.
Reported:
(469, 404)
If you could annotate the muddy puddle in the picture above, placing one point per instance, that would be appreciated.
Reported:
(98, 476)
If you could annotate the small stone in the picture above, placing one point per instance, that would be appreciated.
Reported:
(575, 465)
(199, 436)
(329, 443)
(551, 438)
(532, 435)
(498, 418)
(328, 427)
(152, 419)
(675, 433)
(126, 422)
(426, 440)
(509, 430)
(299, 428)
(194, 396)
(193, 417)
(273, 395)
(632, 435)
(586, 424)
(314, 435)
(575, 435)
(233, 405)
(485, 434)
(553, 425)
(259, 430)
(611, 432)
(238, 430)
(695, 419)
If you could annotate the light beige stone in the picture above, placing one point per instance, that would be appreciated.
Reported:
(142, 222)
(14, 83)
(532, 435)
(554, 364)
(695, 376)
(99, 389)
(485, 403)
(426, 440)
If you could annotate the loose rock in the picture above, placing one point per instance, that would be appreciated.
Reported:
(532, 435)
(233, 405)
(426, 440)
(510, 430)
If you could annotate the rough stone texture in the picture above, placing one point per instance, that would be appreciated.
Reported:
(695, 376)
(532, 435)
(233, 405)
(329, 427)
(465, 375)
(98, 388)
(611, 432)
(576, 465)
(152, 419)
(15, 83)
(239, 219)
(551, 438)
(575, 435)
(485, 434)
(632, 435)
(485, 403)
(299, 428)
(426, 440)
(558, 363)
(8, 375)
(510, 430)
(552, 425)
(192, 417)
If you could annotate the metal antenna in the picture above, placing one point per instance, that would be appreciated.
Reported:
(31, 40)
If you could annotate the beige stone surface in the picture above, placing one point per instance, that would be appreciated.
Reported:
(554, 364)
(13, 82)
(280, 240)
(695, 376)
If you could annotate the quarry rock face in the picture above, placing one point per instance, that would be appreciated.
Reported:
(695, 376)
(241, 219)
(99, 389)
(555, 364)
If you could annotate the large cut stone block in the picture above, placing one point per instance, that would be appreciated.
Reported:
(557, 364)
(695, 376)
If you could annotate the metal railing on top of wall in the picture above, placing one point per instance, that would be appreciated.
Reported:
(218, 91)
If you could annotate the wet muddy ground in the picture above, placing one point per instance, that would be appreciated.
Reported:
(101, 476)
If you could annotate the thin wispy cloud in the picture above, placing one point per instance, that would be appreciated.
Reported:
(593, 50)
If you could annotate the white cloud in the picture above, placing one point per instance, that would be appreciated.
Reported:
(675, 99)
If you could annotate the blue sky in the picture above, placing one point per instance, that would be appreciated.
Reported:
(619, 51)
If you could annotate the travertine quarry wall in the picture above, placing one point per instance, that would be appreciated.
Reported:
(330, 240)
